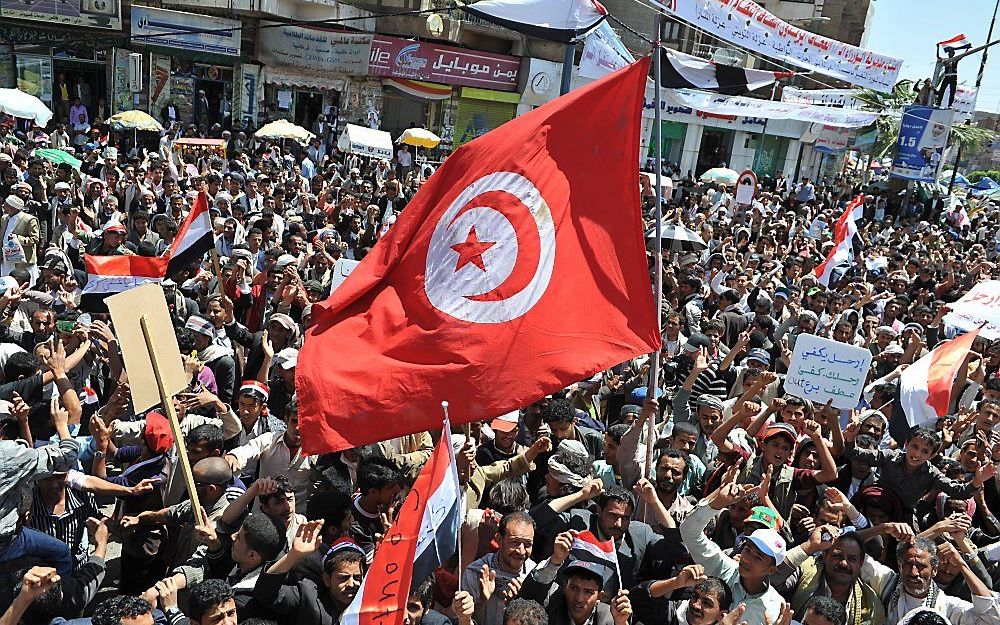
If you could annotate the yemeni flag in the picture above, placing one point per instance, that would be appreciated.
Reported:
(683, 71)
(108, 275)
(843, 240)
(507, 278)
(565, 21)
(955, 44)
(194, 237)
(586, 546)
(423, 537)
(925, 386)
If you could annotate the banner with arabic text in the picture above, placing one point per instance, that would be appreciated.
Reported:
(749, 25)
(769, 109)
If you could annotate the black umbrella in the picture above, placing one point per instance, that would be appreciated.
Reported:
(677, 238)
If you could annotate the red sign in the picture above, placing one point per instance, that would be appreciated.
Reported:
(402, 58)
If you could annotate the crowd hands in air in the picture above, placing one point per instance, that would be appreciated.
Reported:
(759, 507)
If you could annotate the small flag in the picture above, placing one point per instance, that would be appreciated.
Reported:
(588, 547)
(843, 240)
(107, 275)
(88, 396)
(683, 71)
(423, 536)
(194, 237)
(925, 386)
(955, 44)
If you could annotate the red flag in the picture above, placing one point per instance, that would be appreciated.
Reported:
(518, 269)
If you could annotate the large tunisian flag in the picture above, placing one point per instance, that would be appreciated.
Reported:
(518, 269)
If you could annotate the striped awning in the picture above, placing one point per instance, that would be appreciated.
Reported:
(419, 88)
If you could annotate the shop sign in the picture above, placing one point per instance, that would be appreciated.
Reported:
(314, 49)
(89, 13)
(249, 77)
(122, 99)
(417, 60)
(187, 31)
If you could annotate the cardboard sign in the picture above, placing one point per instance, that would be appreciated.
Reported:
(341, 269)
(127, 308)
(821, 370)
(746, 187)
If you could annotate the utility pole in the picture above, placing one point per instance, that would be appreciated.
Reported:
(979, 81)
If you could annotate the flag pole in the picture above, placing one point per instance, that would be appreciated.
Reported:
(654, 367)
(446, 431)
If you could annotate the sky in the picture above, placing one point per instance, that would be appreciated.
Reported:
(908, 29)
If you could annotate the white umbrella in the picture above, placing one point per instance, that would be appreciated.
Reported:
(721, 175)
(20, 104)
(284, 129)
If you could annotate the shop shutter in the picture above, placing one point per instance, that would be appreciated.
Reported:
(480, 111)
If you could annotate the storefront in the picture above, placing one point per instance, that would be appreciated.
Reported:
(53, 55)
(454, 92)
(191, 64)
(307, 70)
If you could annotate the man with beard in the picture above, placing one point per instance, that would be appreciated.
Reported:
(671, 472)
(834, 572)
(498, 575)
(914, 586)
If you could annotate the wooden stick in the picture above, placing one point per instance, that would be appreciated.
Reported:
(175, 426)
(218, 269)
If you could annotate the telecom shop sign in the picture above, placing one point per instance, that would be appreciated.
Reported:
(418, 60)
(177, 29)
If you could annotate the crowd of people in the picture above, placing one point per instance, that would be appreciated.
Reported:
(758, 506)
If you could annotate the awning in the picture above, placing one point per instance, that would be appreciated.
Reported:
(419, 88)
(293, 78)
(366, 142)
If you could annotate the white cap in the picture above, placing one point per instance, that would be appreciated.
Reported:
(770, 543)
(15, 201)
(287, 358)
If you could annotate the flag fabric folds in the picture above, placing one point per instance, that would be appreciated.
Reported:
(517, 269)
(423, 536)
(955, 44)
(194, 237)
(554, 20)
(843, 240)
(683, 71)
(107, 275)
(925, 386)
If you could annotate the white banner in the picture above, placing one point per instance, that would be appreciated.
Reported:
(822, 370)
(603, 53)
(749, 25)
(980, 305)
(965, 102)
(768, 109)
(843, 98)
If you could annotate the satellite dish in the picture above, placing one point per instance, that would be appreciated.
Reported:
(435, 25)
(727, 56)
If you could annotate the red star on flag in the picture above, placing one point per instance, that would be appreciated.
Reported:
(471, 251)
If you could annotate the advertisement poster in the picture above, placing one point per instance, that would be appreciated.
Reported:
(314, 49)
(248, 100)
(90, 13)
(751, 26)
(159, 84)
(403, 58)
(923, 134)
(187, 31)
(121, 95)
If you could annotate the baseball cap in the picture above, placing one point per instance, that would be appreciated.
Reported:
(592, 568)
(115, 228)
(781, 429)
(766, 516)
(506, 422)
(770, 543)
(157, 433)
(283, 261)
(630, 409)
(759, 355)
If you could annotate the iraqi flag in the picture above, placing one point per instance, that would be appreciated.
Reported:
(423, 536)
(108, 275)
(843, 240)
(683, 71)
(194, 237)
(565, 21)
(955, 44)
(517, 269)
(925, 386)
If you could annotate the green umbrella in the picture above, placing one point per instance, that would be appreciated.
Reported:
(59, 156)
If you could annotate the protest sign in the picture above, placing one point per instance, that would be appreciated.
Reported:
(127, 309)
(341, 269)
(980, 305)
(822, 370)
(746, 187)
